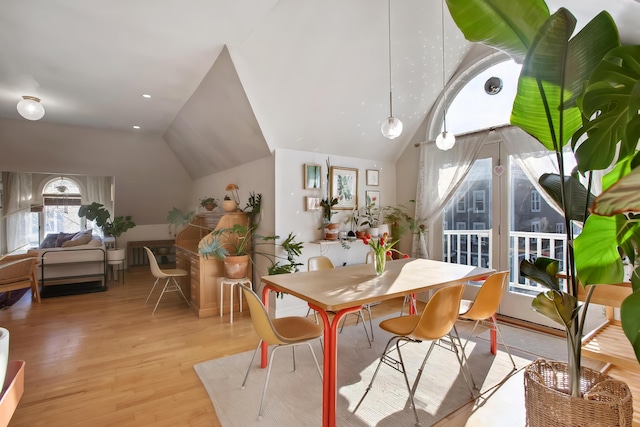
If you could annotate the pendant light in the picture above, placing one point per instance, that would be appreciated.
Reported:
(30, 108)
(445, 140)
(391, 127)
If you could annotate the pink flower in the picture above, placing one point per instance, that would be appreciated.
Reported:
(367, 236)
(405, 256)
(388, 253)
(365, 241)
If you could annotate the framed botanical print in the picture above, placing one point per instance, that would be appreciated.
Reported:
(344, 187)
(313, 203)
(312, 176)
(373, 177)
(372, 197)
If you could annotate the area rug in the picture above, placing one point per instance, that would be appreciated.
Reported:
(7, 299)
(72, 289)
(294, 398)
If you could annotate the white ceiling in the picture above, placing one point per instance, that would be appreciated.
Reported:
(315, 73)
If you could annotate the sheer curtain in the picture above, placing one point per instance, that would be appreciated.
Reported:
(440, 174)
(99, 190)
(18, 197)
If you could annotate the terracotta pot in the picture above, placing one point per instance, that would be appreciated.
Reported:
(210, 206)
(229, 205)
(360, 234)
(236, 267)
(331, 231)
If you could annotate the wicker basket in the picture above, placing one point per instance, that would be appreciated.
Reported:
(606, 402)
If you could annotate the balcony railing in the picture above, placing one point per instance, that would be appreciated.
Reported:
(474, 247)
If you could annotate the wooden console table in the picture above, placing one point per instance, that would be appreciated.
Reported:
(137, 257)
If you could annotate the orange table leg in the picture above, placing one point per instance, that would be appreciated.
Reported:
(412, 304)
(264, 350)
(330, 376)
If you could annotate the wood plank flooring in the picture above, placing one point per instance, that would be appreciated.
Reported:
(103, 360)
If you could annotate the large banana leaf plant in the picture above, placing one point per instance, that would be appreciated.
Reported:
(579, 88)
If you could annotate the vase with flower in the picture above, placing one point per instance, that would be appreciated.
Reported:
(382, 248)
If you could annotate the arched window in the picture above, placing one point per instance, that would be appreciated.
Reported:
(61, 199)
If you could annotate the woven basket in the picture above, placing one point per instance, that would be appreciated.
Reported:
(606, 402)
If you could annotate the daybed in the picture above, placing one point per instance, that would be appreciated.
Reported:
(66, 258)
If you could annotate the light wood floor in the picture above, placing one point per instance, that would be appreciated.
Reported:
(103, 360)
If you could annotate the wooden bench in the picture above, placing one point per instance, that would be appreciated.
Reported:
(608, 344)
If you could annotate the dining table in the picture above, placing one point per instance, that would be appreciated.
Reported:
(334, 293)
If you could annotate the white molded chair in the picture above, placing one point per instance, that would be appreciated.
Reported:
(170, 284)
(281, 332)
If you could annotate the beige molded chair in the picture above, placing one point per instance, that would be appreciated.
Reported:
(282, 332)
(485, 305)
(170, 284)
(19, 272)
(324, 263)
(436, 322)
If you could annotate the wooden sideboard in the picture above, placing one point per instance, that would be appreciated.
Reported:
(202, 285)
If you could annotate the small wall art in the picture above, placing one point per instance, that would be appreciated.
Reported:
(371, 197)
(312, 174)
(312, 203)
(344, 187)
(373, 177)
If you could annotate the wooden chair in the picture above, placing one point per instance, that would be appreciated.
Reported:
(19, 272)
(281, 332)
(436, 322)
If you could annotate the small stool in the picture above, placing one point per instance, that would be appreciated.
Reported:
(232, 284)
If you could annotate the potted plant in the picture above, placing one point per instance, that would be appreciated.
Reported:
(577, 90)
(372, 218)
(110, 227)
(330, 228)
(209, 203)
(176, 218)
(230, 202)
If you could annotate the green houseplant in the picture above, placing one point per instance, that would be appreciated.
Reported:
(581, 90)
(110, 227)
(209, 203)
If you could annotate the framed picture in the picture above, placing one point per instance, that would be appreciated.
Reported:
(372, 196)
(344, 187)
(373, 177)
(312, 176)
(312, 203)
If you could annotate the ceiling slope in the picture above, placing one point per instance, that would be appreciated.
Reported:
(217, 129)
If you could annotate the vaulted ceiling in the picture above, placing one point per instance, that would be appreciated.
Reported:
(236, 79)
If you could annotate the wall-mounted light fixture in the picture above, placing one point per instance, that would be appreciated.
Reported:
(30, 108)
(445, 140)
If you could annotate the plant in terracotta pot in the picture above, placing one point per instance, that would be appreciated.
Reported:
(209, 203)
(331, 228)
(581, 90)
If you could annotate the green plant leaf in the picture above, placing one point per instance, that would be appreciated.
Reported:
(577, 196)
(542, 270)
(514, 23)
(630, 319)
(612, 98)
(628, 235)
(621, 197)
(553, 75)
(560, 307)
(596, 252)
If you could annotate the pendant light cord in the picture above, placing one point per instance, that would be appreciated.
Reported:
(444, 92)
(390, 91)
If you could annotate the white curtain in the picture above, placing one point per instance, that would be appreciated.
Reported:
(440, 174)
(18, 199)
(99, 190)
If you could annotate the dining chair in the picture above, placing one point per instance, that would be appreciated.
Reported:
(281, 332)
(170, 284)
(484, 307)
(436, 323)
(323, 263)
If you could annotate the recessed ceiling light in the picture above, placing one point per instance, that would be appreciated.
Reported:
(146, 95)
(136, 127)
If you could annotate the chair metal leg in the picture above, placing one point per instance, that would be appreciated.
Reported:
(250, 363)
(382, 357)
(360, 316)
(465, 359)
(179, 288)
(164, 289)
(495, 325)
(461, 359)
(406, 380)
(368, 308)
(150, 292)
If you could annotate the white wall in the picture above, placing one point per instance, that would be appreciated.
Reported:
(291, 215)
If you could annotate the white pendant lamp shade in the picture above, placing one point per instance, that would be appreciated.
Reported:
(445, 140)
(30, 108)
(391, 127)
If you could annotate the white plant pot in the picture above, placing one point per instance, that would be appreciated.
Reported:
(373, 231)
(383, 228)
(115, 254)
(4, 354)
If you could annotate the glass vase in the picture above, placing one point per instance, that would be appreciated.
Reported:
(379, 262)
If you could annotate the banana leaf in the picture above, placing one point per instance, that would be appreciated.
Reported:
(541, 270)
(577, 196)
